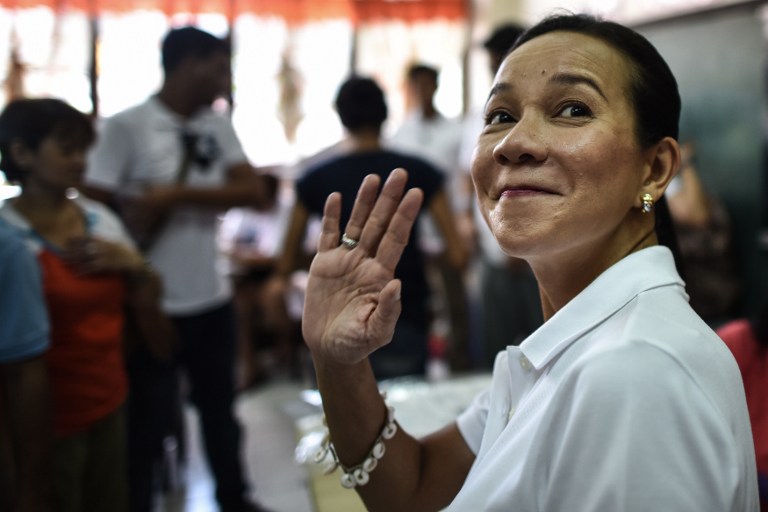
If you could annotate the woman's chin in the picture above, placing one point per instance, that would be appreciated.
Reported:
(514, 248)
(512, 240)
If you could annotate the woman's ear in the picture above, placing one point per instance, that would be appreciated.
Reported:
(663, 159)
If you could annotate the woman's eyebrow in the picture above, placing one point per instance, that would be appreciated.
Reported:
(498, 88)
(574, 79)
(558, 79)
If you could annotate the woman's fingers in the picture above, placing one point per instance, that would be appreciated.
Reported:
(384, 317)
(366, 198)
(380, 222)
(399, 229)
(329, 233)
(384, 209)
(364, 203)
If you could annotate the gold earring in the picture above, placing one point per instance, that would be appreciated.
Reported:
(647, 203)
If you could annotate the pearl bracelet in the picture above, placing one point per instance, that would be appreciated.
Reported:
(360, 474)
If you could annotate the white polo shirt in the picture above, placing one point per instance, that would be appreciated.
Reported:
(141, 147)
(623, 401)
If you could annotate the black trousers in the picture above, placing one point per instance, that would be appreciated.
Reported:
(206, 356)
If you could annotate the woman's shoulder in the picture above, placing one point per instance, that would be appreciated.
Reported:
(11, 217)
(95, 208)
(11, 239)
(672, 351)
(102, 221)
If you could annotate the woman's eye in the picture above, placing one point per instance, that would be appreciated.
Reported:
(498, 117)
(575, 110)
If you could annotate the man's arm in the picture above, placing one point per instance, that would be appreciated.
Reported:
(143, 214)
(26, 398)
(243, 187)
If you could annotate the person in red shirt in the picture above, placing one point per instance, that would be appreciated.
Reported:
(91, 273)
(748, 340)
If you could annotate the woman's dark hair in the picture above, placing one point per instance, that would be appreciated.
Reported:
(503, 38)
(184, 42)
(30, 121)
(653, 92)
(360, 104)
(653, 88)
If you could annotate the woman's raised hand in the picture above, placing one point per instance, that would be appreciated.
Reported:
(352, 300)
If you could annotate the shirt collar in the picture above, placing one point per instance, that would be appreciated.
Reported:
(167, 118)
(639, 272)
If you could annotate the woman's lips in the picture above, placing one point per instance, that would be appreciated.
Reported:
(523, 191)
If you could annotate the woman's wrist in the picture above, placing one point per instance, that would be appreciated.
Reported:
(359, 474)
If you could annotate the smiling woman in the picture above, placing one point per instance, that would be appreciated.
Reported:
(559, 168)
(624, 399)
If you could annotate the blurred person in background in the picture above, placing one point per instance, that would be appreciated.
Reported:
(704, 234)
(362, 109)
(91, 274)
(250, 240)
(430, 135)
(748, 340)
(170, 166)
(26, 432)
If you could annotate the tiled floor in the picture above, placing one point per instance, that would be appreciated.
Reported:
(268, 415)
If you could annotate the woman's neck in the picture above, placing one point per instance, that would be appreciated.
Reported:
(49, 214)
(39, 201)
(563, 277)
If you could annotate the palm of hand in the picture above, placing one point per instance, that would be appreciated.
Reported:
(352, 301)
(340, 316)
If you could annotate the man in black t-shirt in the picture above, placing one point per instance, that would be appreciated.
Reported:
(362, 109)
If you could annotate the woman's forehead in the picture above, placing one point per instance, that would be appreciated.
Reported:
(569, 52)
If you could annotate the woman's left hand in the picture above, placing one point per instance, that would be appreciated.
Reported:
(89, 255)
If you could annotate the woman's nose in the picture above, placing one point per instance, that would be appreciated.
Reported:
(523, 142)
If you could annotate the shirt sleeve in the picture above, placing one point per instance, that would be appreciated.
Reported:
(471, 422)
(232, 150)
(110, 157)
(105, 224)
(24, 327)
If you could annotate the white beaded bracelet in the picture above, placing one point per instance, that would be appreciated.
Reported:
(360, 474)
